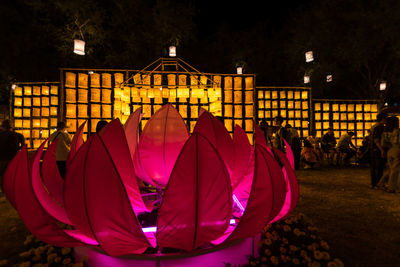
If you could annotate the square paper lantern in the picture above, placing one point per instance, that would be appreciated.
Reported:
(237, 83)
(249, 81)
(118, 79)
(343, 116)
(95, 111)
(274, 104)
(70, 95)
(325, 125)
(26, 124)
(343, 107)
(71, 111)
(228, 82)
(343, 126)
(318, 125)
(290, 94)
(297, 95)
(45, 133)
(82, 111)
(238, 122)
(82, 80)
(147, 111)
(18, 124)
(82, 95)
(290, 104)
(238, 111)
(359, 107)
(45, 112)
(228, 96)
(150, 93)
(359, 116)
(260, 95)
(238, 97)
(26, 133)
(228, 125)
(367, 116)
(27, 90)
(367, 107)
(249, 111)
(44, 123)
(17, 112)
(305, 105)
(36, 124)
(297, 114)
(18, 91)
(70, 79)
(305, 114)
(317, 106)
(54, 100)
(274, 113)
(336, 116)
(95, 95)
(36, 101)
(95, 80)
(26, 112)
(350, 107)
(291, 113)
(317, 116)
(53, 122)
(274, 94)
(54, 90)
(374, 108)
(166, 94)
(93, 126)
(45, 90)
(158, 100)
(45, 101)
(283, 113)
(106, 80)
(261, 104)
(36, 112)
(53, 111)
(261, 114)
(304, 124)
(282, 104)
(248, 126)
(18, 101)
(282, 94)
(36, 90)
(106, 111)
(297, 123)
(325, 107)
(194, 111)
(267, 94)
(183, 111)
(350, 126)
(228, 111)
(268, 114)
(304, 94)
(350, 116)
(325, 116)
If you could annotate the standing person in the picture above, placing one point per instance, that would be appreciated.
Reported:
(328, 144)
(378, 154)
(393, 154)
(295, 144)
(346, 146)
(279, 133)
(10, 143)
(63, 146)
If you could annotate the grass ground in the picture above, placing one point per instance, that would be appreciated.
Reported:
(361, 225)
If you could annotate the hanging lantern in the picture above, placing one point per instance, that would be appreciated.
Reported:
(172, 51)
(306, 79)
(382, 86)
(309, 56)
(329, 78)
(13, 87)
(239, 70)
(79, 47)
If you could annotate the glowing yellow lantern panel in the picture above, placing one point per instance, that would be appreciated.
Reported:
(26, 112)
(95, 111)
(297, 95)
(291, 114)
(282, 94)
(367, 107)
(304, 94)
(282, 104)
(44, 123)
(71, 111)
(82, 111)
(106, 111)
(106, 80)
(325, 116)
(305, 105)
(238, 111)
(274, 104)
(183, 111)
(290, 104)
(95, 95)
(45, 101)
(317, 106)
(237, 83)
(36, 101)
(17, 112)
(305, 114)
(53, 111)
(18, 101)
(228, 111)
(359, 116)
(194, 111)
(70, 79)
(27, 90)
(45, 112)
(260, 114)
(297, 105)
(238, 97)
(82, 95)
(260, 94)
(274, 94)
(36, 90)
(53, 122)
(54, 101)
(36, 124)
(249, 111)
(36, 112)
(248, 125)
(343, 116)
(325, 106)
(336, 116)
(18, 91)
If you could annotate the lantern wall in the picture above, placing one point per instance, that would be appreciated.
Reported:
(35, 110)
(344, 115)
(292, 103)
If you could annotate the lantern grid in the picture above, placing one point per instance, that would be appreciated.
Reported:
(292, 103)
(34, 110)
(345, 115)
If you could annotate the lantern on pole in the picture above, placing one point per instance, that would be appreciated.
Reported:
(382, 86)
(239, 70)
(172, 51)
(79, 47)
(13, 86)
(306, 79)
(329, 78)
(309, 56)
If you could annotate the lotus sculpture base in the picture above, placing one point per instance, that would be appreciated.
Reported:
(234, 253)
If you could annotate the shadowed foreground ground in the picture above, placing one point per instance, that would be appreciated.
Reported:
(360, 224)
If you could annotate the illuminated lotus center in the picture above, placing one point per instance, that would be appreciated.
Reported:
(130, 193)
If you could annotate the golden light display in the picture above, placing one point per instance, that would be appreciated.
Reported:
(343, 116)
(35, 110)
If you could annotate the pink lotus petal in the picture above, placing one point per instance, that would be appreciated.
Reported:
(289, 154)
(292, 187)
(74, 191)
(51, 176)
(131, 128)
(260, 138)
(114, 139)
(215, 131)
(42, 225)
(260, 202)
(109, 210)
(197, 203)
(48, 203)
(76, 143)
(160, 143)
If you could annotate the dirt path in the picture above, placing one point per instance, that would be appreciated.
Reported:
(362, 225)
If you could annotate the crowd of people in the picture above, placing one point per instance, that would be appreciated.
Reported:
(380, 148)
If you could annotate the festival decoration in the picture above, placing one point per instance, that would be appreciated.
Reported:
(213, 189)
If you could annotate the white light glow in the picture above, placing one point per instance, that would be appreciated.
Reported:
(153, 229)
(382, 86)
(309, 56)
(239, 70)
(79, 47)
(13, 87)
(329, 78)
(172, 51)
(306, 79)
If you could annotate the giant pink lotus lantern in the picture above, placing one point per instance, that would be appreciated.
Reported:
(209, 190)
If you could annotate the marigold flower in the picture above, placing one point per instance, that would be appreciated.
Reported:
(267, 241)
(317, 255)
(268, 252)
(325, 255)
(274, 260)
(296, 261)
(332, 264)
